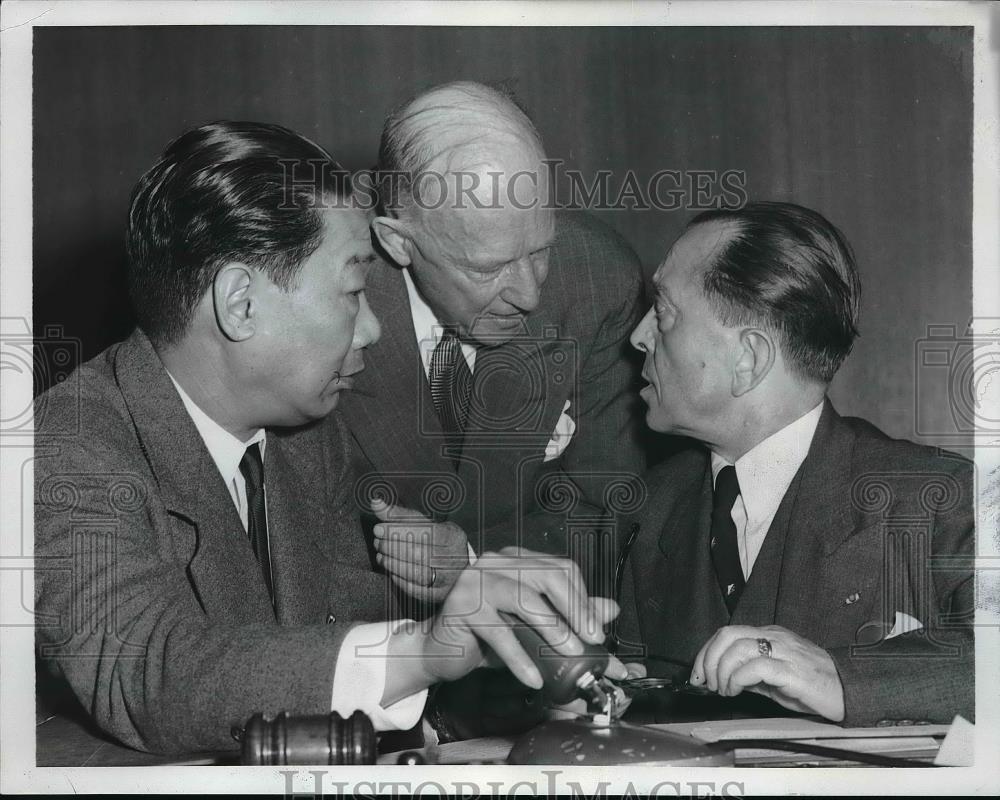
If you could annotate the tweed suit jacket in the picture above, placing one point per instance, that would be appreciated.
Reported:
(870, 526)
(574, 347)
(148, 594)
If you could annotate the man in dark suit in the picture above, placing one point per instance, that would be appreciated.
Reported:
(796, 554)
(499, 408)
(199, 557)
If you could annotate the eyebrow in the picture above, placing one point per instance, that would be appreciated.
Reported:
(662, 294)
(487, 266)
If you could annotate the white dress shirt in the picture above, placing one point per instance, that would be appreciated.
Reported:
(428, 329)
(764, 474)
(359, 673)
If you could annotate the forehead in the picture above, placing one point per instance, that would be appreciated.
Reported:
(690, 255)
(487, 235)
(345, 234)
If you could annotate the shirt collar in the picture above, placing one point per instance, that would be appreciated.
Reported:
(224, 448)
(427, 327)
(766, 471)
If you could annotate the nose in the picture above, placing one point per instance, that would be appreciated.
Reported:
(367, 329)
(524, 287)
(642, 337)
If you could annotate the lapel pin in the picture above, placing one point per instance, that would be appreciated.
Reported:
(852, 598)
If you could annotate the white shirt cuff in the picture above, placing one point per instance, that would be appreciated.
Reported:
(359, 679)
(472, 554)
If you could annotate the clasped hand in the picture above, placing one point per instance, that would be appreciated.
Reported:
(793, 671)
(422, 557)
(545, 592)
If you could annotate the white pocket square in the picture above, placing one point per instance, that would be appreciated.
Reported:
(565, 428)
(904, 623)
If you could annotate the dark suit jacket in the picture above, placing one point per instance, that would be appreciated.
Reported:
(869, 526)
(148, 594)
(575, 347)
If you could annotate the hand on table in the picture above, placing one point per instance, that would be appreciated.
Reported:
(424, 558)
(797, 674)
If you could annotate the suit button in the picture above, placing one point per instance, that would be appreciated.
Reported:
(330, 619)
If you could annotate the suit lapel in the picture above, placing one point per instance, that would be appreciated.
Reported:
(687, 606)
(190, 485)
(296, 523)
(820, 521)
(389, 411)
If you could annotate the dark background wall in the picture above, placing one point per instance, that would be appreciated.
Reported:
(870, 126)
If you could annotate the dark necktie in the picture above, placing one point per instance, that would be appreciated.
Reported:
(451, 385)
(725, 549)
(252, 467)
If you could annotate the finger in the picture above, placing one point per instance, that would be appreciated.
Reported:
(414, 590)
(765, 671)
(562, 583)
(406, 549)
(739, 653)
(616, 669)
(501, 640)
(401, 528)
(716, 647)
(636, 670)
(393, 513)
(605, 609)
(520, 552)
(420, 574)
(531, 610)
(698, 668)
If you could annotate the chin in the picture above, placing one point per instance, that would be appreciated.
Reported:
(657, 424)
(491, 333)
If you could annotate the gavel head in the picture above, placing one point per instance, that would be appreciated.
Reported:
(312, 739)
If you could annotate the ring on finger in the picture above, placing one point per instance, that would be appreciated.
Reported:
(433, 577)
(764, 647)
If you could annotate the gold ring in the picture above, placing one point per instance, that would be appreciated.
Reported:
(764, 647)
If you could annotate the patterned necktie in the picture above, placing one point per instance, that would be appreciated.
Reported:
(725, 549)
(252, 467)
(451, 385)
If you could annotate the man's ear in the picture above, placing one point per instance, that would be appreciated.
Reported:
(394, 236)
(756, 357)
(234, 301)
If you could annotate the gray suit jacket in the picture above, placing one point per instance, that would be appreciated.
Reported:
(148, 595)
(870, 526)
(574, 347)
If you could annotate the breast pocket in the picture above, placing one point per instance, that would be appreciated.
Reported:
(855, 596)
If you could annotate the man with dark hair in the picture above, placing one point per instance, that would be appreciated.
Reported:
(797, 554)
(199, 557)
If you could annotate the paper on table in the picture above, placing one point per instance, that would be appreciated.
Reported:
(790, 728)
(958, 748)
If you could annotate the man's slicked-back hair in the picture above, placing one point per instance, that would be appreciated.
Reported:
(432, 123)
(224, 192)
(789, 270)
